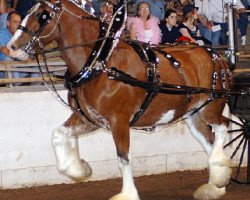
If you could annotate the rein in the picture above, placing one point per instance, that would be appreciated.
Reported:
(54, 92)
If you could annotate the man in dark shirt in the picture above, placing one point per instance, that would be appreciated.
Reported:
(169, 30)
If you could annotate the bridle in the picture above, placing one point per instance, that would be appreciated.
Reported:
(44, 19)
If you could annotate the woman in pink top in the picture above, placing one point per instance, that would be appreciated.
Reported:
(144, 27)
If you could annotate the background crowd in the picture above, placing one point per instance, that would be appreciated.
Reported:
(154, 21)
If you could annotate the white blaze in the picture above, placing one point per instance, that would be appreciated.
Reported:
(24, 23)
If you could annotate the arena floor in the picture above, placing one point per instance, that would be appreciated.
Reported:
(174, 186)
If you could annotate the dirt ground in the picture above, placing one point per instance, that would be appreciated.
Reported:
(174, 186)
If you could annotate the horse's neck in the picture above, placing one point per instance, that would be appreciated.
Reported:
(76, 31)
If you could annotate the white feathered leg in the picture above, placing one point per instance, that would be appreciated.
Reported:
(219, 169)
(129, 191)
(65, 144)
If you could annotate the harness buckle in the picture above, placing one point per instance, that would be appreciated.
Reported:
(52, 14)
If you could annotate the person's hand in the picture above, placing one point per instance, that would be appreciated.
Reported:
(19, 54)
(241, 10)
(199, 42)
(209, 25)
(10, 10)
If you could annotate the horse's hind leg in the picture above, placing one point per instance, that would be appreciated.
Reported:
(65, 143)
(120, 133)
(219, 163)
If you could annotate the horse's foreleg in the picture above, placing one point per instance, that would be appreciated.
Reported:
(65, 143)
(121, 138)
(219, 164)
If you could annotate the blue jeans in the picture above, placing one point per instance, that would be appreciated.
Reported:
(206, 33)
(223, 38)
(242, 24)
(2, 74)
(19, 74)
(216, 38)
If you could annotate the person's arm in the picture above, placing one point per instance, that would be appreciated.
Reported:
(185, 33)
(133, 32)
(5, 51)
(14, 3)
(240, 7)
(19, 54)
(3, 6)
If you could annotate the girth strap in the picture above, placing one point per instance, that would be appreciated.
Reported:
(148, 56)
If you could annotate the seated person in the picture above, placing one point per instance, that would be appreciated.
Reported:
(170, 32)
(157, 7)
(188, 29)
(106, 10)
(144, 27)
(13, 21)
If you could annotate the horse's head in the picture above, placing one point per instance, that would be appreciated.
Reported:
(38, 28)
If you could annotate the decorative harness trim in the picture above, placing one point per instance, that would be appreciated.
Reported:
(102, 49)
(149, 57)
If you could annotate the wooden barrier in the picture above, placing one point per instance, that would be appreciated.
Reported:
(55, 65)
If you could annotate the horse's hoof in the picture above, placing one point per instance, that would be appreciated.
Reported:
(78, 171)
(123, 196)
(209, 192)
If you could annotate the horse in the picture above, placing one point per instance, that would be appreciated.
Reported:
(105, 102)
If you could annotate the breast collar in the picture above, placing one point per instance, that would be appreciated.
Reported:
(108, 39)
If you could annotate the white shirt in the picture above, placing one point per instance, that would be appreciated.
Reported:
(148, 35)
(215, 9)
(204, 8)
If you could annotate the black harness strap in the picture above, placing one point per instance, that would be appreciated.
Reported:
(102, 49)
(173, 62)
(148, 56)
(100, 54)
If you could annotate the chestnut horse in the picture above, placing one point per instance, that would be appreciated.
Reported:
(112, 104)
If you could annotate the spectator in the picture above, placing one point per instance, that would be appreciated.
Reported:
(243, 21)
(106, 10)
(188, 29)
(184, 2)
(23, 6)
(204, 19)
(219, 15)
(13, 21)
(157, 7)
(88, 6)
(143, 26)
(168, 27)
